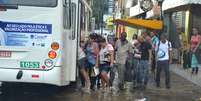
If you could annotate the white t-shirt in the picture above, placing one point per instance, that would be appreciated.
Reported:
(122, 51)
(105, 54)
(163, 50)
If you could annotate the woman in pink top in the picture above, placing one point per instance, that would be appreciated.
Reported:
(195, 43)
(105, 61)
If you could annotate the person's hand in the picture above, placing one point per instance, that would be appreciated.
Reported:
(149, 62)
(194, 50)
(111, 65)
(170, 61)
(96, 66)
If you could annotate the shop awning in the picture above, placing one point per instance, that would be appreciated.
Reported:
(140, 23)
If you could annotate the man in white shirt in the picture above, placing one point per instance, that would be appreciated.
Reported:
(164, 58)
(123, 48)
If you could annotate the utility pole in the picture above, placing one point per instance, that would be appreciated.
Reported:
(102, 14)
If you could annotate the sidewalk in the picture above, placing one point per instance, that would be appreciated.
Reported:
(178, 69)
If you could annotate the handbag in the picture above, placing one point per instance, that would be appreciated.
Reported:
(96, 71)
(136, 55)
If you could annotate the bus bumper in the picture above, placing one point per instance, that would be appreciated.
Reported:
(52, 77)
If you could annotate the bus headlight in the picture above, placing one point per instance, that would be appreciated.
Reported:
(48, 63)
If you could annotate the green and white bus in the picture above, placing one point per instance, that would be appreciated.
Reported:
(38, 40)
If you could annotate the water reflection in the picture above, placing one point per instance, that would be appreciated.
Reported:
(179, 92)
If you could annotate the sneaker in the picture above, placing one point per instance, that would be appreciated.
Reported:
(168, 87)
(107, 90)
(143, 99)
(86, 90)
(121, 87)
(115, 93)
(158, 85)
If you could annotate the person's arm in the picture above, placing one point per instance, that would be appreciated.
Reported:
(150, 52)
(111, 52)
(170, 53)
(97, 61)
(111, 58)
(130, 50)
(170, 56)
(95, 48)
(150, 55)
(96, 53)
(116, 45)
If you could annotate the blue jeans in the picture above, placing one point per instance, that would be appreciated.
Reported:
(143, 72)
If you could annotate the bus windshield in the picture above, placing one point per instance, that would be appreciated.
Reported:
(38, 3)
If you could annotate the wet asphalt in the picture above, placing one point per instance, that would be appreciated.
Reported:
(181, 90)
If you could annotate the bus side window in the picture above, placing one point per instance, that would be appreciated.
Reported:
(70, 18)
(66, 16)
(73, 20)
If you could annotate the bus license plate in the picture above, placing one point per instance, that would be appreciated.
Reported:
(5, 54)
(29, 65)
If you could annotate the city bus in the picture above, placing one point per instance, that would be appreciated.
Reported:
(39, 40)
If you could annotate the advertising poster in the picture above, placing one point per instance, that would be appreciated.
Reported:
(25, 34)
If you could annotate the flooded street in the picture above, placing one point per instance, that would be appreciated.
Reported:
(181, 90)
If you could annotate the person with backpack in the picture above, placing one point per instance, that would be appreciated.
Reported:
(164, 59)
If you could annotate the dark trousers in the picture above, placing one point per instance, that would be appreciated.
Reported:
(196, 69)
(165, 66)
(187, 60)
(153, 66)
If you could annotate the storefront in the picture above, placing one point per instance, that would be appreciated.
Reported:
(180, 17)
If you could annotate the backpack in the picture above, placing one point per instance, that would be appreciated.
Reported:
(159, 45)
(158, 48)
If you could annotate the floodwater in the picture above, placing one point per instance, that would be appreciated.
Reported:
(181, 90)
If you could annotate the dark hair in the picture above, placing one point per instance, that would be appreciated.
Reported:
(92, 36)
(134, 36)
(164, 35)
(197, 28)
(124, 33)
(102, 39)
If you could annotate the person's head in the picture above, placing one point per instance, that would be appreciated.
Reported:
(134, 37)
(92, 38)
(102, 42)
(195, 31)
(144, 34)
(153, 33)
(179, 30)
(141, 39)
(98, 37)
(82, 41)
(163, 38)
(123, 36)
